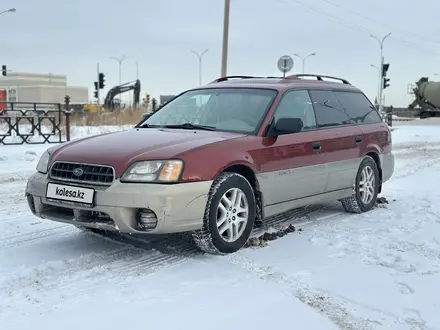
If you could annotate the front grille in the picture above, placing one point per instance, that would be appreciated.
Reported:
(84, 173)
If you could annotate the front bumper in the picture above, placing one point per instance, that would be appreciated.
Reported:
(178, 207)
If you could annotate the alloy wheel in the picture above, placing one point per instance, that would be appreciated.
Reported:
(232, 214)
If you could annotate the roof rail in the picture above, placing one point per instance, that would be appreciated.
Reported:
(318, 77)
(231, 77)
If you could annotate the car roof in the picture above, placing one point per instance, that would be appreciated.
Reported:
(282, 83)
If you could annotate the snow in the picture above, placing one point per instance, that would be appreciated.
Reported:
(379, 270)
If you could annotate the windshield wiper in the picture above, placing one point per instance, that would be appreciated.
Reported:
(191, 126)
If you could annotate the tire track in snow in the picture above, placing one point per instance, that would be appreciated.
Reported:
(326, 305)
(430, 158)
(15, 241)
(91, 269)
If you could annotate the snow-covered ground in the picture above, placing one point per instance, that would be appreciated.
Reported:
(379, 270)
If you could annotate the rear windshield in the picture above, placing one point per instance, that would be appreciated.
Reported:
(227, 109)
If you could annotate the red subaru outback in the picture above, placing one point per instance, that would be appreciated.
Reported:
(219, 159)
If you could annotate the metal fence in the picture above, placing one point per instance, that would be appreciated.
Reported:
(34, 123)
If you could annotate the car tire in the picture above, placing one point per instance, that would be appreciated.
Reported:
(361, 201)
(213, 238)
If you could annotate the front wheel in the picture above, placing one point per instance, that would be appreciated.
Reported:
(366, 188)
(229, 215)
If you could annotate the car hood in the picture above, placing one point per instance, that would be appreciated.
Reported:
(120, 149)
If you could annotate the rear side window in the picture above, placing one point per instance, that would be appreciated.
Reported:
(329, 111)
(358, 107)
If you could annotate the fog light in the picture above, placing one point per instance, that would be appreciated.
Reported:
(147, 219)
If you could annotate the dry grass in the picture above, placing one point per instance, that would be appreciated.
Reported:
(117, 118)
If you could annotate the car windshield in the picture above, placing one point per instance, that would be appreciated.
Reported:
(225, 109)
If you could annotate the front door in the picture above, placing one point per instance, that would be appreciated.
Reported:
(292, 166)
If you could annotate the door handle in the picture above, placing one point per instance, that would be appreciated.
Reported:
(316, 146)
(358, 139)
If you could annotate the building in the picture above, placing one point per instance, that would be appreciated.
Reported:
(41, 88)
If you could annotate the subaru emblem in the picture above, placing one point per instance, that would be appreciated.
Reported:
(78, 172)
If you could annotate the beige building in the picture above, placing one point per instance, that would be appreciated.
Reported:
(41, 88)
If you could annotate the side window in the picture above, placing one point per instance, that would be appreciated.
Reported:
(358, 107)
(297, 104)
(329, 111)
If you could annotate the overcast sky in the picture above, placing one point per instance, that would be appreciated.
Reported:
(70, 37)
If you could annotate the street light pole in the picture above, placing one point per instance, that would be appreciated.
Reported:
(120, 60)
(303, 59)
(378, 86)
(224, 68)
(381, 41)
(11, 10)
(200, 57)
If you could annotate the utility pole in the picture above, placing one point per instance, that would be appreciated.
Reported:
(120, 60)
(381, 42)
(224, 68)
(200, 57)
(303, 59)
(137, 69)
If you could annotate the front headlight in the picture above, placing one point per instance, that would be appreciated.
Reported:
(43, 163)
(154, 171)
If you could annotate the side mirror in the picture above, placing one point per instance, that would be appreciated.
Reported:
(286, 126)
(145, 116)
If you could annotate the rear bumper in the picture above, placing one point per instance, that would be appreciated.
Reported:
(387, 165)
(178, 207)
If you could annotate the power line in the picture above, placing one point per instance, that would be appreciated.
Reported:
(352, 25)
(373, 20)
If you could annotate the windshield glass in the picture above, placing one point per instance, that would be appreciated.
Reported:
(227, 109)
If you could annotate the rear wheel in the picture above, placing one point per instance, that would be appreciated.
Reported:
(229, 215)
(366, 188)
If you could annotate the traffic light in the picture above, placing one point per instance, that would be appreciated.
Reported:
(4, 70)
(147, 99)
(154, 104)
(95, 94)
(385, 68)
(101, 81)
(385, 81)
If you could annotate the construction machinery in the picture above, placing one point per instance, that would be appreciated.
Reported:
(110, 103)
(426, 102)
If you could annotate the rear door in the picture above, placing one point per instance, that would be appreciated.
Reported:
(292, 165)
(340, 140)
(375, 135)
